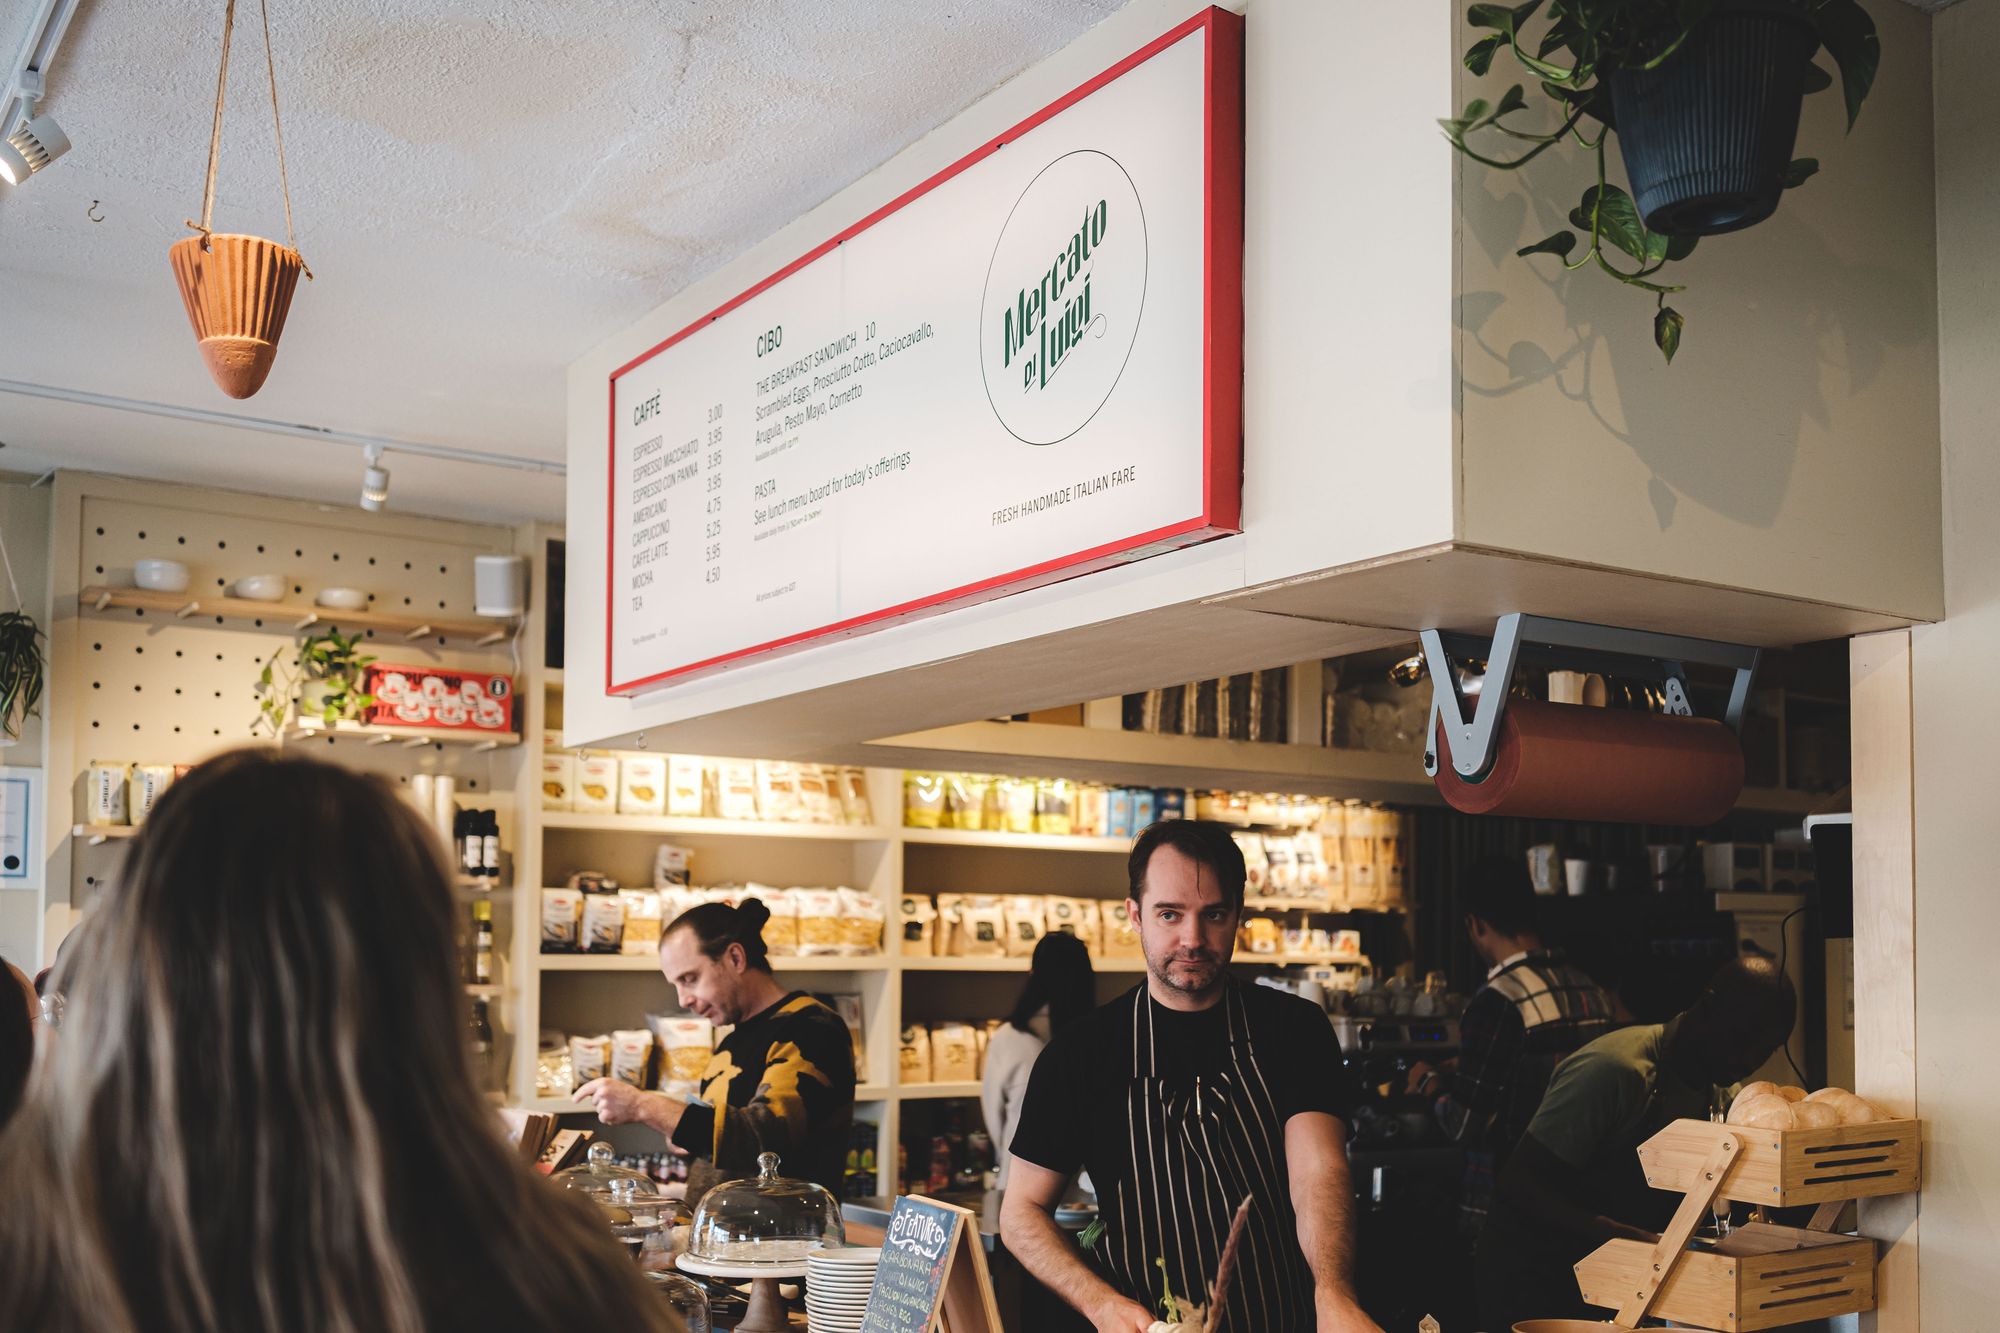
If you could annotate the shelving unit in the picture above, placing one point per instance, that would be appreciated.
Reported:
(291, 617)
(97, 834)
(687, 826)
(304, 731)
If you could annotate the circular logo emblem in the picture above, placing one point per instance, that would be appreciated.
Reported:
(1064, 295)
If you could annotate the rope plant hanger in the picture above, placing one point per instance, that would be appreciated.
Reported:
(238, 288)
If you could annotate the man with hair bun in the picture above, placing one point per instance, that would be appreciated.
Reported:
(782, 1081)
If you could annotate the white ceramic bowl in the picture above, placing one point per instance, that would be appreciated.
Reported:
(343, 599)
(259, 587)
(161, 575)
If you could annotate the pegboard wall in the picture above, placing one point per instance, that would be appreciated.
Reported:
(148, 687)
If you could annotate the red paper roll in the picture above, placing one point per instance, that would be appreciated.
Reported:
(1566, 761)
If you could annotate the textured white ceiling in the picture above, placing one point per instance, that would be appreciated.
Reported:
(481, 189)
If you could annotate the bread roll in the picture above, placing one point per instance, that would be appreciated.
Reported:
(1761, 1088)
(1816, 1115)
(1766, 1112)
(1852, 1110)
(1791, 1094)
(1828, 1095)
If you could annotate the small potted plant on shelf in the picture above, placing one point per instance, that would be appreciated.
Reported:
(323, 680)
(1704, 96)
(21, 672)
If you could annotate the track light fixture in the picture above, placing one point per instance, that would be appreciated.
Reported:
(374, 480)
(27, 150)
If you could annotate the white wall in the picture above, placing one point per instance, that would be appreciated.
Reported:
(1347, 396)
(1956, 729)
(1790, 447)
(24, 523)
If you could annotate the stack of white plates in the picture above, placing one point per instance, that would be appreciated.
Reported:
(837, 1286)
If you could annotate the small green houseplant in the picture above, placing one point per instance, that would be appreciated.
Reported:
(21, 671)
(1704, 97)
(323, 679)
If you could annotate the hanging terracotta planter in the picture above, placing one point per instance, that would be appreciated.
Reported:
(237, 290)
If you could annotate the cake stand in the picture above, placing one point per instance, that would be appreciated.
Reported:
(767, 1312)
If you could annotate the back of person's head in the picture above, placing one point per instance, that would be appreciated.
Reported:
(1060, 980)
(1497, 890)
(1746, 1013)
(261, 1112)
(17, 1036)
(1203, 841)
(716, 926)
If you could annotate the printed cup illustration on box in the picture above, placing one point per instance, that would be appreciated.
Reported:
(425, 696)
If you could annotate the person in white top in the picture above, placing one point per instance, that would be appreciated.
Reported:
(1061, 986)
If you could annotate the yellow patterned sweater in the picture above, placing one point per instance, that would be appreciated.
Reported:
(782, 1082)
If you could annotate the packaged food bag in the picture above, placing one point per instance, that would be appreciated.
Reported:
(632, 1055)
(913, 1056)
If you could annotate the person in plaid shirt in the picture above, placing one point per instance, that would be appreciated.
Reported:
(1533, 1010)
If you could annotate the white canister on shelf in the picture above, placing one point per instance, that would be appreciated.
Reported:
(444, 804)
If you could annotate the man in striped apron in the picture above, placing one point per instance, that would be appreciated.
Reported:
(1181, 1099)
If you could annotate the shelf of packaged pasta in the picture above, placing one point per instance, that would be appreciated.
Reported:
(1041, 842)
(922, 964)
(649, 962)
(690, 826)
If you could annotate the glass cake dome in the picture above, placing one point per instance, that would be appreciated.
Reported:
(768, 1221)
(631, 1203)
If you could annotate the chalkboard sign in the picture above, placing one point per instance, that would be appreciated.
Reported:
(932, 1262)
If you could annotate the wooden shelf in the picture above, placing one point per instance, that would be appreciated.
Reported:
(919, 964)
(1038, 842)
(689, 826)
(408, 737)
(181, 605)
(863, 1092)
(917, 1092)
(647, 962)
(1146, 759)
(94, 834)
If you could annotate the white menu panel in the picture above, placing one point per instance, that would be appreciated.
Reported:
(999, 380)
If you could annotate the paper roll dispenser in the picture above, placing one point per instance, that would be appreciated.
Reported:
(1524, 757)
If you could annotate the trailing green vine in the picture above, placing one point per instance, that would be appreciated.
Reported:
(330, 660)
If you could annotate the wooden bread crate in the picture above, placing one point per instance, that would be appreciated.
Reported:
(1758, 1277)
(1782, 1167)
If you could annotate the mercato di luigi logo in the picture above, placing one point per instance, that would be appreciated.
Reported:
(1055, 311)
(1064, 295)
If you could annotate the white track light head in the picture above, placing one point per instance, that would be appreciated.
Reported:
(30, 148)
(374, 482)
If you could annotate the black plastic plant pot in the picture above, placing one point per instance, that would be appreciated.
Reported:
(1707, 136)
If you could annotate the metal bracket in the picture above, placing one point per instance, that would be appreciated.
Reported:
(1472, 732)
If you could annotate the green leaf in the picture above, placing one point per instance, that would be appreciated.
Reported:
(1559, 244)
(1511, 100)
(1667, 331)
(1680, 247)
(1850, 38)
(1480, 58)
(1090, 1235)
(1817, 80)
(1801, 170)
(1508, 19)
(1618, 222)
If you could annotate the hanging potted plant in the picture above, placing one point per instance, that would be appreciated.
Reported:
(1704, 97)
(322, 680)
(21, 664)
(238, 289)
(20, 672)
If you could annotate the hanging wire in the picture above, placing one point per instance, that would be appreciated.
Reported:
(215, 133)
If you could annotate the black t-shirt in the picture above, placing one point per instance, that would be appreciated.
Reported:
(1075, 1112)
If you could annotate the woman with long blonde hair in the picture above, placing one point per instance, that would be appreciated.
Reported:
(260, 1112)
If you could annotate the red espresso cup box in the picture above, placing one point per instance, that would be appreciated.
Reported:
(427, 696)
